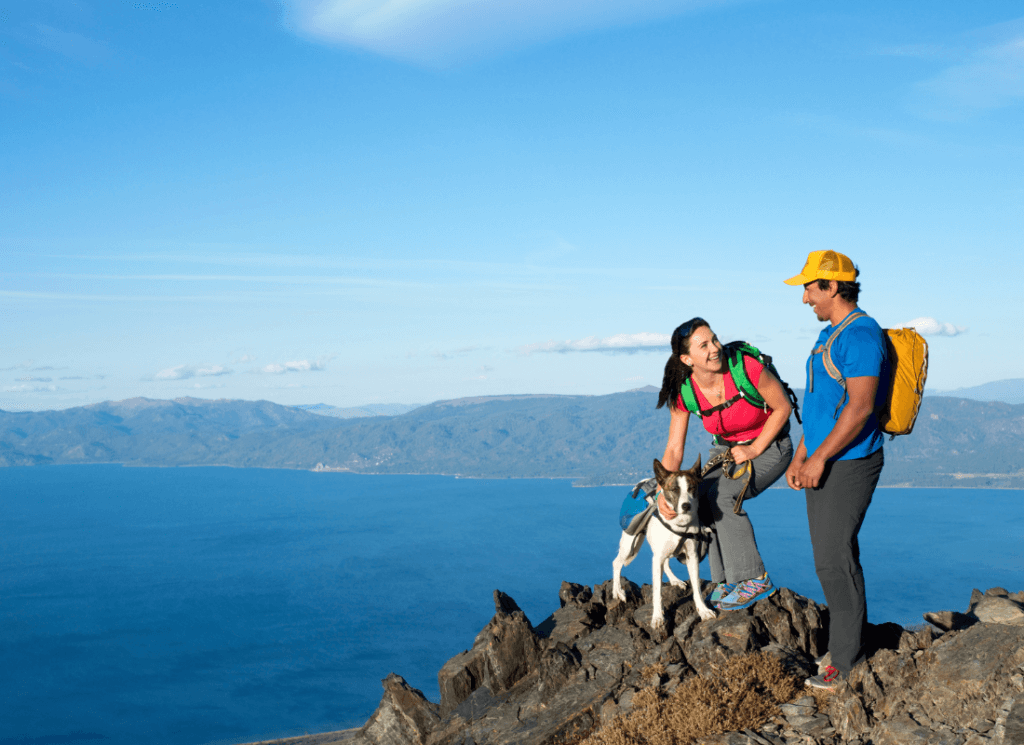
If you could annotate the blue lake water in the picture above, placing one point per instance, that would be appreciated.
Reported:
(216, 605)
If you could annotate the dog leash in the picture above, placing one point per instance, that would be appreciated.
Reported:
(724, 459)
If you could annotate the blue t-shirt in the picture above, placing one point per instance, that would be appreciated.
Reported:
(859, 351)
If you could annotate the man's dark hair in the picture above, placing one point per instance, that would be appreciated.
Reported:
(848, 291)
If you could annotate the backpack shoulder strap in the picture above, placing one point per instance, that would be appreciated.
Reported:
(830, 366)
(689, 397)
(738, 370)
(686, 392)
(825, 350)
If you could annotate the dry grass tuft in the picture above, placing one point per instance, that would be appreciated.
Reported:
(822, 698)
(745, 692)
(653, 671)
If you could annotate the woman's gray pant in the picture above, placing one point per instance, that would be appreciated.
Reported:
(733, 554)
(835, 512)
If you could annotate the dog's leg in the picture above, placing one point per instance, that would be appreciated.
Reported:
(660, 558)
(672, 579)
(629, 547)
(693, 567)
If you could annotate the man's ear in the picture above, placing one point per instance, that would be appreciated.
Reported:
(833, 288)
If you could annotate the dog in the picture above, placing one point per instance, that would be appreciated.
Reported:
(679, 535)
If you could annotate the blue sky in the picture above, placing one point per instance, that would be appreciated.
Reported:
(401, 201)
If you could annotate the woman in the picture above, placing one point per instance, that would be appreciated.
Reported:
(756, 434)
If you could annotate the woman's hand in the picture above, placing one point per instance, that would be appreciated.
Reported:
(743, 453)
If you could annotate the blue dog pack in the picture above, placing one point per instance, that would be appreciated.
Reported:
(638, 506)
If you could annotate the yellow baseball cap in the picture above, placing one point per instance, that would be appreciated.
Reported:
(825, 265)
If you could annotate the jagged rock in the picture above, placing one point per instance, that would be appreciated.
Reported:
(799, 710)
(569, 623)
(574, 594)
(557, 665)
(999, 609)
(902, 730)
(950, 620)
(403, 717)
(809, 725)
(713, 642)
(795, 622)
(951, 685)
(503, 653)
(617, 611)
(917, 641)
(729, 738)
(610, 650)
(850, 719)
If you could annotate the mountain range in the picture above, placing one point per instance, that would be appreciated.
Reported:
(595, 440)
(1008, 391)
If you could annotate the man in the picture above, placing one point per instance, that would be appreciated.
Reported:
(839, 458)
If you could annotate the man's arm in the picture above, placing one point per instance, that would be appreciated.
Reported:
(851, 421)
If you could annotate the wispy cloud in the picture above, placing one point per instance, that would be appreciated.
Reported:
(186, 372)
(932, 327)
(618, 344)
(455, 353)
(447, 31)
(296, 366)
(989, 76)
(29, 379)
(31, 388)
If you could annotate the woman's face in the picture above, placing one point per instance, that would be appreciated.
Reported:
(705, 351)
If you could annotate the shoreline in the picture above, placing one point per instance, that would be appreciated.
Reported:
(322, 738)
(959, 479)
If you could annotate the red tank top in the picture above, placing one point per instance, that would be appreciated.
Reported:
(741, 421)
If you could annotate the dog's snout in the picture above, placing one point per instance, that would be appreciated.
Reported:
(684, 507)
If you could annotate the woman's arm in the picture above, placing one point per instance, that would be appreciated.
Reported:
(774, 395)
(673, 456)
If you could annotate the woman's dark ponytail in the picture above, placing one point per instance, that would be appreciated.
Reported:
(676, 371)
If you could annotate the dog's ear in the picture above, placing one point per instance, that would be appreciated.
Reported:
(660, 472)
(696, 466)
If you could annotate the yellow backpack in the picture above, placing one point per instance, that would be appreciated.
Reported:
(908, 362)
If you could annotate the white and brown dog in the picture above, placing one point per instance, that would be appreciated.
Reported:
(674, 530)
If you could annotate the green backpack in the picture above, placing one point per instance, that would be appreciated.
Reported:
(746, 390)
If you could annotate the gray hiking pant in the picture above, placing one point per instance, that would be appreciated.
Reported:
(835, 512)
(733, 554)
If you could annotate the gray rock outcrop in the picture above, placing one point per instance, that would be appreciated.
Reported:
(959, 681)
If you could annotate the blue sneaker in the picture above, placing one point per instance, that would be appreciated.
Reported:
(748, 592)
(721, 590)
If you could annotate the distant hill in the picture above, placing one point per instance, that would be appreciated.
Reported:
(1008, 391)
(358, 412)
(595, 439)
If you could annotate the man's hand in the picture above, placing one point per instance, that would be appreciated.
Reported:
(792, 471)
(808, 476)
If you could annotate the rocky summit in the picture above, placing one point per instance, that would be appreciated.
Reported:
(959, 680)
